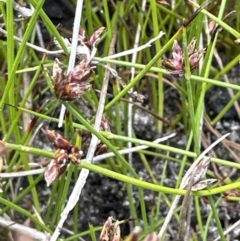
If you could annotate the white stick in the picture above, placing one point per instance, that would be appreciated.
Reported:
(131, 51)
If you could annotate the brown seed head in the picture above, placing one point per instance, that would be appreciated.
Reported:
(75, 84)
(64, 154)
(54, 170)
(105, 125)
(231, 193)
(116, 232)
(57, 140)
(176, 65)
(105, 233)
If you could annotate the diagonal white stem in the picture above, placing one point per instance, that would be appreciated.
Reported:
(134, 50)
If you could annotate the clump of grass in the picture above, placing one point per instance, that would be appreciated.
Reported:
(115, 81)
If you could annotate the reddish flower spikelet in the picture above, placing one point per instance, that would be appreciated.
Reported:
(81, 73)
(101, 149)
(75, 84)
(57, 140)
(176, 65)
(83, 37)
(104, 236)
(105, 125)
(110, 233)
(177, 49)
(211, 26)
(95, 36)
(86, 48)
(231, 193)
(75, 155)
(116, 232)
(195, 58)
(56, 167)
(93, 39)
(65, 153)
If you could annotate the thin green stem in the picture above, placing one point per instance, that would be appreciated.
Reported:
(195, 130)
(216, 217)
(160, 95)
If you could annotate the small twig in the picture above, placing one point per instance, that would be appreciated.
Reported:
(184, 184)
